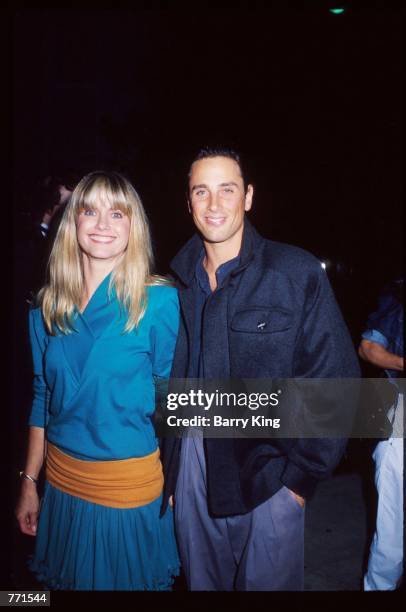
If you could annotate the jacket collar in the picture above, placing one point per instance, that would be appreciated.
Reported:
(184, 263)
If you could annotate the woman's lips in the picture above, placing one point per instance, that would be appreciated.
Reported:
(101, 239)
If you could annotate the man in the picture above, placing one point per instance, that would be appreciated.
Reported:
(55, 193)
(60, 195)
(382, 346)
(251, 308)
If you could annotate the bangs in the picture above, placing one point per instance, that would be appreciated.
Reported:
(106, 191)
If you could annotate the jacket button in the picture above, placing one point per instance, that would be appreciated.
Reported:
(261, 325)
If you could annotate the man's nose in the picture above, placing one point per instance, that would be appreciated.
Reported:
(213, 203)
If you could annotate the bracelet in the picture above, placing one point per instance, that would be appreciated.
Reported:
(24, 475)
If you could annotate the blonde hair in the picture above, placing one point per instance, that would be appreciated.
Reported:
(65, 287)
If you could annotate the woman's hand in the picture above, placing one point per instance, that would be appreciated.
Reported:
(27, 509)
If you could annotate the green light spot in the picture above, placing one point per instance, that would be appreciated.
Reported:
(337, 11)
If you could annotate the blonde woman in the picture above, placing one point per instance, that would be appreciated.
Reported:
(103, 329)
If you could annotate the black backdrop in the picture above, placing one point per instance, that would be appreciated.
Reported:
(313, 100)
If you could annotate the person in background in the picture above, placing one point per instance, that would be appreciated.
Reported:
(382, 346)
(57, 194)
(49, 201)
(104, 328)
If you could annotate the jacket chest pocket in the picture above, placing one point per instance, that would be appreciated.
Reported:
(260, 320)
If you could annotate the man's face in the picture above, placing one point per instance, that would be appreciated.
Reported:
(217, 200)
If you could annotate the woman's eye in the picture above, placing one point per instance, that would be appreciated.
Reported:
(89, 212)
(117, 214)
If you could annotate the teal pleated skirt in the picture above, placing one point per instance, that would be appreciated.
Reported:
(86, 546)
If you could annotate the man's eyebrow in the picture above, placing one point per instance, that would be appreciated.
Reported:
(204, 186)
(228, 184)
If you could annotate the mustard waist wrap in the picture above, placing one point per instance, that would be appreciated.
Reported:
(123, 483)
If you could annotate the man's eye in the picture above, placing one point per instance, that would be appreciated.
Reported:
(228, 190)
(200, 192)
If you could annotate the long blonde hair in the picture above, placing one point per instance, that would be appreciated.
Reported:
(65, 287)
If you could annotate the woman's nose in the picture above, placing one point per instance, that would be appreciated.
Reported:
(103, 220)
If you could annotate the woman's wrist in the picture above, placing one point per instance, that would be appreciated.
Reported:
(28, 477)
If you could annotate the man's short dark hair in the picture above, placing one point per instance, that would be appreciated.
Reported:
(221, 151)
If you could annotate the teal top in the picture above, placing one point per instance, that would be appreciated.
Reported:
(94, 387)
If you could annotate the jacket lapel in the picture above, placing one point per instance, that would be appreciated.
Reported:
(100, 312)
(215, 332)
(91, 325)
(76, 346)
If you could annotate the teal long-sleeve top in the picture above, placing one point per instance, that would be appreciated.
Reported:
(94, 388)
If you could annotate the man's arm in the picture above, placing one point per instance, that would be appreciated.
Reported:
(324, 349)
(379, 356)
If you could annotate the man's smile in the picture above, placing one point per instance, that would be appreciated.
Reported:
(216, 221)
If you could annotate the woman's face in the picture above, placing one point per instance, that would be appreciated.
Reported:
(103, 233)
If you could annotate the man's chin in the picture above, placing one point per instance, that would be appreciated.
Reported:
(213, 238)
(218, 237)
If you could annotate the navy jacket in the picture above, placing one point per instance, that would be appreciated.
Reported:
(304, 336)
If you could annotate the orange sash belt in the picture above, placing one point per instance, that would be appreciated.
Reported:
(123, 483)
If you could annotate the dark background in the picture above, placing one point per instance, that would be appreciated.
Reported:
(313, 100)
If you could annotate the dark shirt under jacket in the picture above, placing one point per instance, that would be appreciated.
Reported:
(203, 291)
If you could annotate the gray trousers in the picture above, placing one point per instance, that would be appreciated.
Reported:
(262, 550)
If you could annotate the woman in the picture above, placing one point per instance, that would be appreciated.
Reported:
(104, 329)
